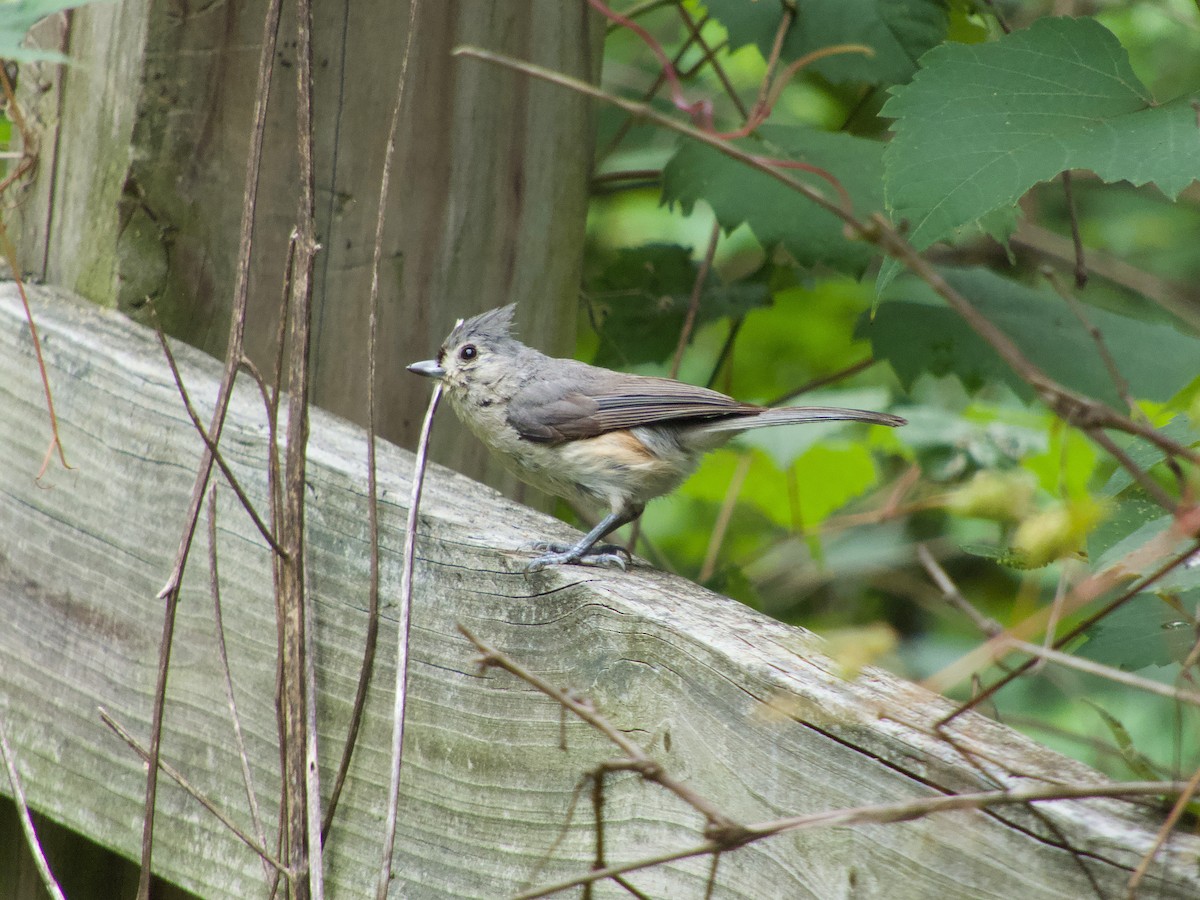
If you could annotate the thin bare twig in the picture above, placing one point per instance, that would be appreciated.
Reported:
(568, 817)
(786, 19)
(723, 517)
(18, 795)
(1168, 825)
(237, 327)
(1081, 272)
(55, 440)
(1132, 591)
(649, 94)
(1097, 336)
(312, 768)
(1144, 479)
(222, 652)
(193, 791)
(1094, 668)
(832, 378)
(695, 34)
(720, 827)
(213, 449)
(403, 625)
(371, 639)
(952, 595)
(28, 160)
(303, 818)
(1178, 299)
(689, 320)
(875, 815)
(1056, 606)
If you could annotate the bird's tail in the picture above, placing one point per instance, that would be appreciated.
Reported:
(796, 415)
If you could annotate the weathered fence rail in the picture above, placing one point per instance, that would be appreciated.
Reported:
(486, 786)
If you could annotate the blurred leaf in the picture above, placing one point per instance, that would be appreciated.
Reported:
(764, 487)
(784, 445)
(829, 476)
(806, 332)
(917, 333)
(640, 298)
(951, 447)
(1004, 556)
(981, 124)
(1143, 632)
(18, 16)
(1147, 455)
(825, 477)
(1137, 761)
(898, 31)
(1166, 542)
(1125, 517)
(779, 216)
(1067, 466)
(967, 26)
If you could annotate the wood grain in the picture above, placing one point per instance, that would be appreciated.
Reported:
(485, 787)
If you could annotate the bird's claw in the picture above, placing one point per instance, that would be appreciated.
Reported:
(554, 554)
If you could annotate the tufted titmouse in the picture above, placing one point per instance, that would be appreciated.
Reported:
(591, 434)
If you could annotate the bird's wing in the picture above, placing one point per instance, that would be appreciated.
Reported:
(587, 401)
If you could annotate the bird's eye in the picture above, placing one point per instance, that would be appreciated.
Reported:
(468, 352)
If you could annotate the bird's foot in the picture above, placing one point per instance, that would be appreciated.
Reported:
(555, 554)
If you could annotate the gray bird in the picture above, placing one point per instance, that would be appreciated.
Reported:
(590, 434)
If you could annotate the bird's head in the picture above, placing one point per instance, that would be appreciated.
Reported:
(478, 353)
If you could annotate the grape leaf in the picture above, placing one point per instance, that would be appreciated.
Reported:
(776, 215)
(981, 124)
(1148, 455)
(639, 299)
(1124, 518)
(1159, 534)
(1145, 631)
(917, 333)
(899, 31)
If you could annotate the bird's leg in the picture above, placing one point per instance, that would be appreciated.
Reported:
(585, 551)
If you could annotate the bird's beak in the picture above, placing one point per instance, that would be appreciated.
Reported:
(429, 368)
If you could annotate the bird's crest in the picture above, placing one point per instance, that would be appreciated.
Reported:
(487, 328)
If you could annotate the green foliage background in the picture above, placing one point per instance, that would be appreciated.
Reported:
(959, 131)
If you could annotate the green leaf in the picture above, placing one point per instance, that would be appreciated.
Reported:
(917, 333)
(1147, 455)
(1004, 556)
(829, 476)
(1124, 519)
(981, 124)
(784, 445)
(776, 215)
(639, 300)
(1160, 535)
(1145, 631)
(764, 486)
(950, 446)
(1137, 761)
(899, 31)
